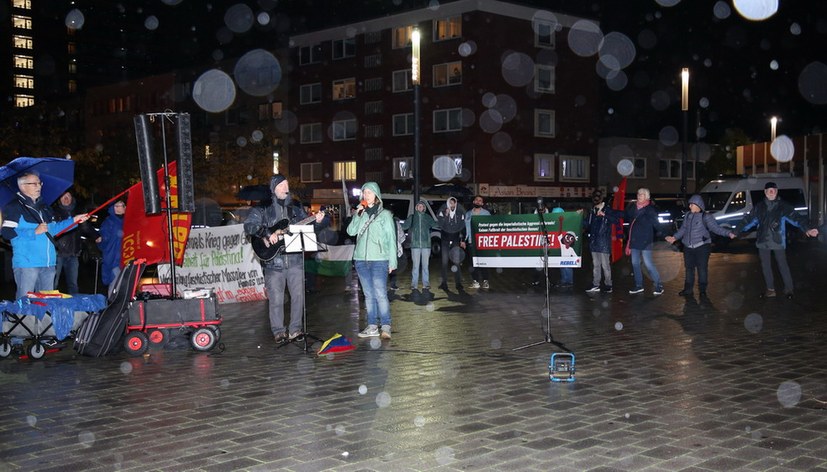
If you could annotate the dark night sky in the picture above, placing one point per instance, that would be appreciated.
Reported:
(734, 81)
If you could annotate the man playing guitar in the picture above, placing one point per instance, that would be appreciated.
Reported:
(266, 227)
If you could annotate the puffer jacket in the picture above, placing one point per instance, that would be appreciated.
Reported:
(643, 224)
(375, 237)
(696, 227)
(419, 227)
(20, 220)
(599, 228)
(771, 218)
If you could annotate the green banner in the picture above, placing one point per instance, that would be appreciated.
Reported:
(519, 240)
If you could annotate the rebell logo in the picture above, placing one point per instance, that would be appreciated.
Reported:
(568, 263)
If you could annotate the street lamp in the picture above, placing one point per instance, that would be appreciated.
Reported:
(685, 109)
(773, 123)
(415, 37)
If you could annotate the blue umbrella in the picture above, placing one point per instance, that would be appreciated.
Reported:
(57, 175)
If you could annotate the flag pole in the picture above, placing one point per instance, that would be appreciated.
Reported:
(93, 211)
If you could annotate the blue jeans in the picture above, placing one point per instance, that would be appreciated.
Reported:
(650, 267)
(421, 256)
(33, 279)
(373, 275)
(69, 265)
(566, 276)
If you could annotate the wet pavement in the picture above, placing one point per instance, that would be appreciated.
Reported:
(732, 382)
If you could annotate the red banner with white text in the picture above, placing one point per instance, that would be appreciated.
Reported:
(145, 236)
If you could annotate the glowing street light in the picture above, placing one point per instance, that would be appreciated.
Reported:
(685, 109)
(773, 125)
(415, 81)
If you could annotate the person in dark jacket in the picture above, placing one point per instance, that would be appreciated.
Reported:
(598, 224)
(695, 236)
(110, 241)
(69, 244)
(477, 273)
(28, 223)
(419, 226)
(287, 268)
(451, 219)
(771, 216)
(643, 225)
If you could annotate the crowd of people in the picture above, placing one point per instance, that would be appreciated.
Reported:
(46, 242)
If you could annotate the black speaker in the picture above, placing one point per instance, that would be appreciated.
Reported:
(186, 194)
(146, 151)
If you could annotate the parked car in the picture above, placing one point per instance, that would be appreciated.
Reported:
(402, 206)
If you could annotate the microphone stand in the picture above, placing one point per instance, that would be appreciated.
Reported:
(548, 339)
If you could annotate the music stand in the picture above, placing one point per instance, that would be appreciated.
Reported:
(302, 239)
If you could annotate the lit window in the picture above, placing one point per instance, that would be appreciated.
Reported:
(402, 168)
(574, 168)
(544, 167)
(24, 4)
(544, 123)
(448, 28)
(344, 170)
(403, 125)
(23, 62)
(73, 68)
(344, 89)
(446, 74)
(447, 120)
(310, 133)
(457, 158)
(544, 79)
(21, 22)
(24, 81)
(402, 37)
(22, 101)
(344, 130)
(23, 42)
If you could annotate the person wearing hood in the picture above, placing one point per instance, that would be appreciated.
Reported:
(109, 242)
(771, 216)
(451, 219)
(69, 244)
(375, 258)
(477, 273)
(28, 225)
(695, 236)
(598, 224)
(419, 226)
(285, 269)
(643, 218)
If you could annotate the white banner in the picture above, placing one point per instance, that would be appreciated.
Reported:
(220, 259)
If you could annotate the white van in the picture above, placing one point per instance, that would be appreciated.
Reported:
(402, 206)
(730, 198)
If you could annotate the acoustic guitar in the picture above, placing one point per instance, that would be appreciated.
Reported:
(266, 251)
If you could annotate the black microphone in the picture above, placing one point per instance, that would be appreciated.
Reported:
(539, 201)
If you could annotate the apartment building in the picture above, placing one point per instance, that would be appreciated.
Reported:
(502, 95)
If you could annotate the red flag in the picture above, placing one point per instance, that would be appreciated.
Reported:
(145, 236)
(618, 203)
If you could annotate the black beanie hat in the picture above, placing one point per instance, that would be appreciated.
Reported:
(275, 180)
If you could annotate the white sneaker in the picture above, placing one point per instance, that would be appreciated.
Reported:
(485, 285)
(369, 332)
(386, 332)
(636, 290)
(593, 289)
(475, 284)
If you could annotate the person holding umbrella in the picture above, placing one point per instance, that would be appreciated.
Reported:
(28, 225)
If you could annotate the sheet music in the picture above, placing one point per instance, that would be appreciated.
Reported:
(298, 235)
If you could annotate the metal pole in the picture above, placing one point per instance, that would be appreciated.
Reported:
(416, 158)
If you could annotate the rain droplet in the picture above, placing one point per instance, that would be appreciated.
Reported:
(126, 368)
(383, 399)
(151, 23)
(241, 141)
(31, 420)
(340, 430)
(444, 455)
(256, 136)
(305, 366)
(419, 421)
(239, 18)
(789, 393)
(258, 73)
(263, 18)
(363, 389)
(627, 416)
(585, 38)
(375, 343)
(75, 19)
(782, 149)
(756, 10)
(618, 326)
(214, 91)
(811, 82)
(774, 64)
(345, 454)
(721, 10)
(86, 438)
(224, 383)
